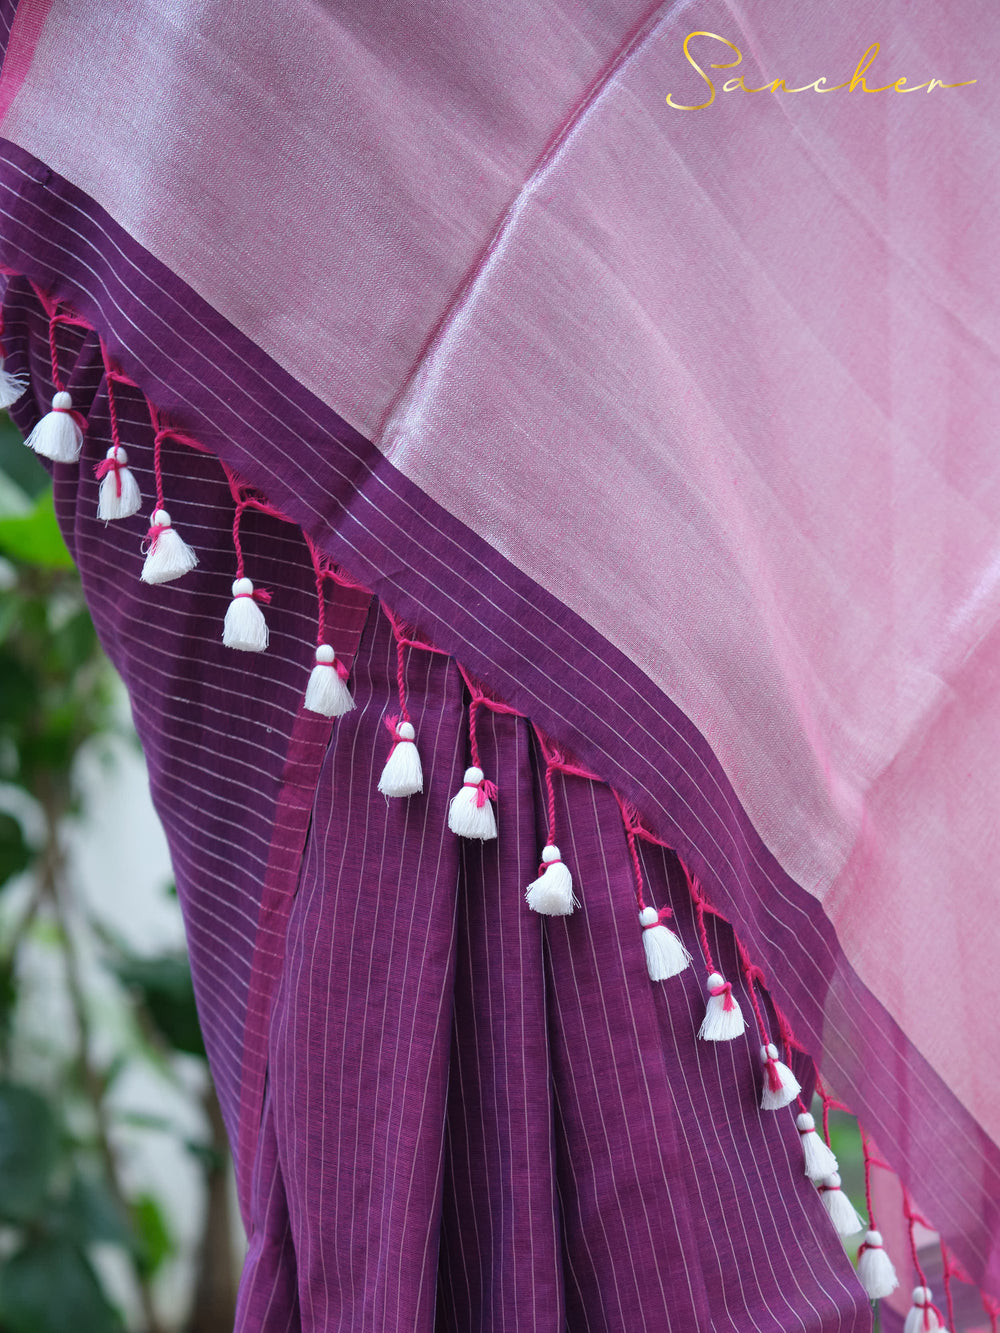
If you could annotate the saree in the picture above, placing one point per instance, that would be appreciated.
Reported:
(669, 431)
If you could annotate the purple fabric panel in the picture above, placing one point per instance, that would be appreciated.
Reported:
(472, 602)
(444, 1064)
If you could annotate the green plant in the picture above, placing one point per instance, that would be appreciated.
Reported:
(62, 1192)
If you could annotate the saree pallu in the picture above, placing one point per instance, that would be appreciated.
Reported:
(677, 436)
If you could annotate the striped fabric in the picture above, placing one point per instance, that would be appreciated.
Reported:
(447, 1113)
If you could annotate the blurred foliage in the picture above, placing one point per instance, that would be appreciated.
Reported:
(61, 1190)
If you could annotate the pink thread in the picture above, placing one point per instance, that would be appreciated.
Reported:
(483, 788)
(392, 724)
(111, 465)
(752, 973)
(726, 989)
(947, 1285)
(258, 595)
(155, 532)
(662, 917)
(870, 1161)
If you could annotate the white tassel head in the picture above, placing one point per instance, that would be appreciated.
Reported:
(551, 893)
(875, 1268)
(327, 692)
(843, 1214)
(119, 495)
(58, 436)
(920, 1317)
(245, 627)
(402, 774)
(781, 1087)
(470, 814)
(167, 556)
(723, 1019)
(666, 955)
(11, 388)
(819, 1159)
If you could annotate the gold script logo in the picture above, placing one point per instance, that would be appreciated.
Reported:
(736, 84)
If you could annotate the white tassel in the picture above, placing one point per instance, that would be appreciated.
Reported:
(327, 692)
(551, 893)
(875, 1269)
(119, 495)
(58, 435)
(780, 1085)
(820, 1161)
(723, 1019)
(402, 775)
(919, 1318)
(11, 388)
(245, 627)
(843, 1214)
(168, 556)
(470, 814)
(666, 955)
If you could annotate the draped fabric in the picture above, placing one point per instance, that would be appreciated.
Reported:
(676, 428)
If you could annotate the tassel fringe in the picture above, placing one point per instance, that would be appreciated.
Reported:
(781, 1087)
(168, 556)
(666, 955)
(402, 774)
(723, 1019)
(11, 388)
(470, 814)
(327, 692)
(58, 436)
(819, 1159)
(875, 1269)
(245, 627)
(922, 1318)
(551, 893)
(843, 1214)
(119, 495)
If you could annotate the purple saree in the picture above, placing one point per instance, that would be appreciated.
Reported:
(698, 488)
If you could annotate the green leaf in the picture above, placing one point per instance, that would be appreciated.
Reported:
(89, 1214)
(155, 1240)
(50, 1287)
(164, 986)
(18, 464)
(34, 538)
(15, 854)
(29, 1143)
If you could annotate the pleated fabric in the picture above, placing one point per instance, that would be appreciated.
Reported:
(446, 1113)
(480, 1120)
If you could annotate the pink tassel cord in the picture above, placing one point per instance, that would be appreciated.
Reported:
(666, 955)
(245, 627)
(723, 1019)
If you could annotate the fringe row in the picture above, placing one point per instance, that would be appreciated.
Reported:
(59, 436)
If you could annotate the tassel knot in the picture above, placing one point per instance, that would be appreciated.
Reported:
(327, 692)
(723, 1019)
(820, 1161)
(402, 774)
(59, 434)
(119, 495)
(470, 813)
(551, 894)
(245, 627)
(666, 955)
(781, 1087)
(167, 555)
(843, 1214)
(875, 1268)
